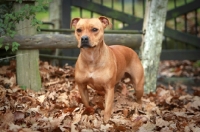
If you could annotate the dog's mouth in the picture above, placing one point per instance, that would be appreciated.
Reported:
(85, 42)
(86, 45)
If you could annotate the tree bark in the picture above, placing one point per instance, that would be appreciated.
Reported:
(53, 41)
(150, 50)
(28, 75)
(55, 17)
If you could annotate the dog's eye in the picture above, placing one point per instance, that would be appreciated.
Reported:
(79, 30)
(94, 29)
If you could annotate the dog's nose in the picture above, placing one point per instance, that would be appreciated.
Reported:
(84, 39)
(85, 42)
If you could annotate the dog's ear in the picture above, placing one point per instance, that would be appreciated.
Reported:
(104, 20)
(74, 22)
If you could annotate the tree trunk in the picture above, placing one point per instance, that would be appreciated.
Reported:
(54, 16)
(28, 75)
(151, 46)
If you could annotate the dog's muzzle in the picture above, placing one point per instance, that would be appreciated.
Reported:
(85, 42)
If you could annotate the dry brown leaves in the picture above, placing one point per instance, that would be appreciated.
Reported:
(58, 107)
(180, 68)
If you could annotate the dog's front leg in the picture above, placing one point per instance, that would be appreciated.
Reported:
(84, 94)
(109, 98)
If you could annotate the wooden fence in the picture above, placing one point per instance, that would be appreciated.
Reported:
(181, 37)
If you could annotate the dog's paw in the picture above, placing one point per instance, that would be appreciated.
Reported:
(106, 119)
(140, 109)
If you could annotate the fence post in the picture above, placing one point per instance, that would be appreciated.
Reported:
(55, 17)
(151, 46)
(65, 23)
(28, 75)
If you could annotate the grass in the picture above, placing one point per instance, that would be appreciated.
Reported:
(44, 17)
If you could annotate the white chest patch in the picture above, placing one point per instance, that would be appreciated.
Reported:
(91, 75)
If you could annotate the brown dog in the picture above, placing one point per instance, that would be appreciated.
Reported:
(102, 67)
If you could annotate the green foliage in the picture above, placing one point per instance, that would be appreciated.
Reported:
(7, 47)
(15, 46)
(9, 18)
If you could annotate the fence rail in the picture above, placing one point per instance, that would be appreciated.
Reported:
(62, 41)
(106, 31)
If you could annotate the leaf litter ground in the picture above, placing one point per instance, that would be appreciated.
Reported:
(58, 107)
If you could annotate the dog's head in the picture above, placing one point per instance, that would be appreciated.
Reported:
(89, 32)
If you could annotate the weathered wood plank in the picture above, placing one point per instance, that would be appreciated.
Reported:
(181, 10)
(55, 17)
(182, 37)
(27, 68)
(165, 55)
(58, 57)
(180, 55)
(106, 31)
(52, 41)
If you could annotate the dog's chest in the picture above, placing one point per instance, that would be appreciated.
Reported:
(98, 79)
(91, 75)
(95, 77)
